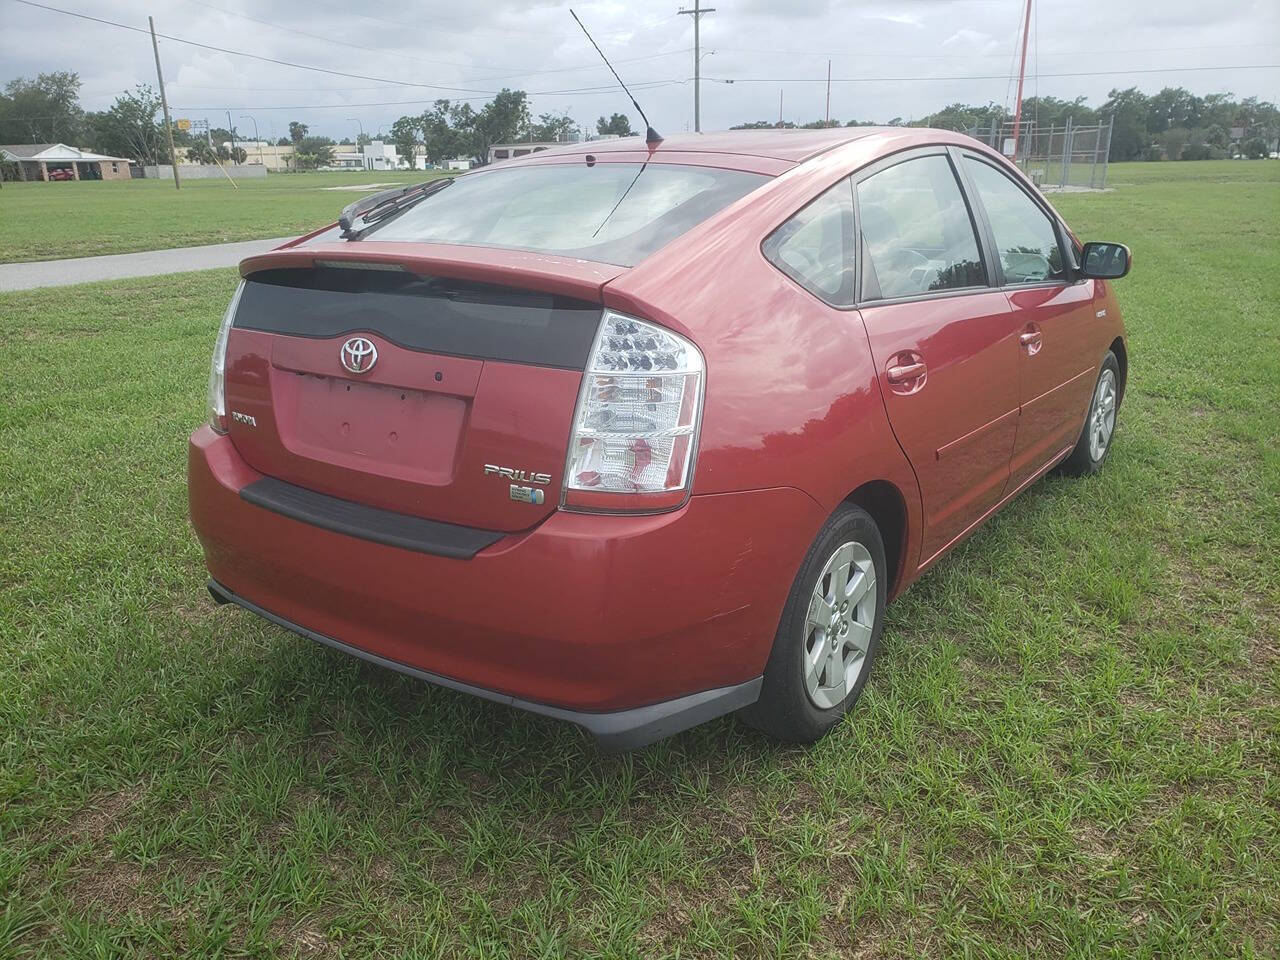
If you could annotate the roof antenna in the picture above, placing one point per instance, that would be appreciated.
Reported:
(651, 136)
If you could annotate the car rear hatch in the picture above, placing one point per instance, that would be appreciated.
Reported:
(461, 416)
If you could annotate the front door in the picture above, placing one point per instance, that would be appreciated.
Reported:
(1056, 319)
(945, 342)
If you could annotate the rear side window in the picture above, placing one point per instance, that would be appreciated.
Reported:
(1025, 236)
(917, 233)
(815, 247)
(609, 212)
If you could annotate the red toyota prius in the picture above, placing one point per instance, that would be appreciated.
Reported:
(635, 435)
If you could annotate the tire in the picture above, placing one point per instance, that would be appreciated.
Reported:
(1099, 429)
(801, 710)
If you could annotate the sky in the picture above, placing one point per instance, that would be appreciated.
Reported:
(889, 58)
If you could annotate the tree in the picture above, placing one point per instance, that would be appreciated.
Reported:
(1174, 107)
(298, 131)
(238, 155)
(1174, 140)
(1255, 148)
(618, 124)
(552, 128)
(404, 134)
(447, 131)
(312, 152)
(1127, 110)
(199, 151)
(43, 110)
(132, 127)
(504, 119)
(283, 142)
(959, 116)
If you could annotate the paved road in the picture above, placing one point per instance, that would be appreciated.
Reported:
(61, 273)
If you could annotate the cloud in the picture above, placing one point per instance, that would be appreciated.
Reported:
(483, 46)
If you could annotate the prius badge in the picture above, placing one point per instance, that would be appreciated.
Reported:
(528, 490)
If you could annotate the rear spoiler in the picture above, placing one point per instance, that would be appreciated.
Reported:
(568, 276)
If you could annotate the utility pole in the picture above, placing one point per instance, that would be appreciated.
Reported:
(828, 93)
(245, 116)
(698, 12)
(168, 127)
(1022, 72)
(780, 107)
(232, 128)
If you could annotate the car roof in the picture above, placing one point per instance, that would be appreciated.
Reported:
(795, 146)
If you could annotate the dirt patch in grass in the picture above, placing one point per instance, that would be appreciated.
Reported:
(112, 888)
(100, 817)
(307, 937)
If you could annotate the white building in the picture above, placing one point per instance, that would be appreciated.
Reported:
(377, 155)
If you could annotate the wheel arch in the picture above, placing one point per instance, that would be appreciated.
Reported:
(1122, 358)
(888, 508)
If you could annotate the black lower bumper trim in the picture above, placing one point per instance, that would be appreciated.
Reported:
(614, 731)
(368, 523)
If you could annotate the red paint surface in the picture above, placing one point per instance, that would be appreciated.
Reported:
(597, 611)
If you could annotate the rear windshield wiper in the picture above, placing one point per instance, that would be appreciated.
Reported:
(382, 206)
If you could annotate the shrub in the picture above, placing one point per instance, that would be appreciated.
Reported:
(1196, 151)
(1255, 148)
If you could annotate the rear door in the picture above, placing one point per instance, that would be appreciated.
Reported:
(945, 342)
(1055, 315)
(416, 392)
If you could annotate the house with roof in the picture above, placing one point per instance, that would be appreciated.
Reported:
(57, 161)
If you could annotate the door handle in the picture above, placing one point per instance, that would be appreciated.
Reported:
(1031, 339)
(905, 372)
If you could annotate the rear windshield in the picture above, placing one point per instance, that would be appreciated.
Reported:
(610, 212)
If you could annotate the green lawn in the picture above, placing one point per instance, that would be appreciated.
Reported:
(1070, 746)
(47, 221)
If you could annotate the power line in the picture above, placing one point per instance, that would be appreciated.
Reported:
(253, 56)
(996, 76)
(580, 91)
(902, 55)
(405, 56)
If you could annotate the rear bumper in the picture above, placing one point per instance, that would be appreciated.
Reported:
(633, 627)
(617, 730)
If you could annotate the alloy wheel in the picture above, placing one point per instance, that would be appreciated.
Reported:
(1102, 418)
(838, 626)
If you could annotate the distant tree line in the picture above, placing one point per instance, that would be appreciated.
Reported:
(451, 130)
(1174, 124)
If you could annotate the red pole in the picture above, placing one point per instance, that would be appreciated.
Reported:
(1022, 72)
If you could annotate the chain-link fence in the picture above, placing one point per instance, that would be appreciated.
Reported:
(1057, 156)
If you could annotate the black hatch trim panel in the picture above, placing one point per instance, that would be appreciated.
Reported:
(368, 523)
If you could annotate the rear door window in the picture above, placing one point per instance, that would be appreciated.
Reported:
(917, 233)
(815, 247)
(609, 212)
(1025, 236)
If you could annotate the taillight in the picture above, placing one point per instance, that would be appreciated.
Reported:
(636, 428)
(217, 369)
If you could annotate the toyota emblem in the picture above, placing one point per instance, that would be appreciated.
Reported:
(358, 355)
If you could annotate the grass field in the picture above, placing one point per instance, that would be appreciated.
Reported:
(1070, 746)
(48, 221)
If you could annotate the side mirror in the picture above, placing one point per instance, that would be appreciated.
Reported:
(1105, 261)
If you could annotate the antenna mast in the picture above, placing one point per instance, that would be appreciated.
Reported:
(1022, 72)
(651, 136)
